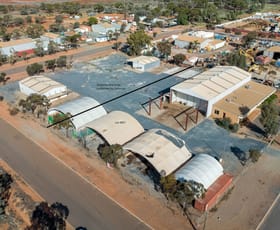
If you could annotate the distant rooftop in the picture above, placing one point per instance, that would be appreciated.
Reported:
(40, 84)
(187, 38)
(51, 35)
(15, 42)
(143, 59)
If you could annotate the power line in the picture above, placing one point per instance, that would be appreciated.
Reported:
(118, 97)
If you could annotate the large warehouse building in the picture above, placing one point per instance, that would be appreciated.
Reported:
(78, 106)
(44, 86)
(161, 149)
(210, 87)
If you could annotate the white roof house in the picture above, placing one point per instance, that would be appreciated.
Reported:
(205, 89)
(78, 106)
(202, 34)
(164, 151)
(202, 168)
(44, 86)
(144, 63)
(116, 127)
(16, 46)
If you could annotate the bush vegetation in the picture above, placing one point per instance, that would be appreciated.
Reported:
(226, 124)
(110, 153)
(254, 155)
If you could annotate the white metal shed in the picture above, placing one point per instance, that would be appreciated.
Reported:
(202, 168)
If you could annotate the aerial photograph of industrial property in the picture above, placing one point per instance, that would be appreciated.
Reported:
(134, 115)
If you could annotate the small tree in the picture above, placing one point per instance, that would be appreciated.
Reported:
(179, 59)
(33, 101)
(3, 78)
(254, 155)
(63, 121)
(5, 190)
(110, 153)
(168, 184)
(92, 21)
(269, 117)
(50, 64)
(58, 19)
(28, 19)
(164, 48)
(34, 69)
(137, 41)
(61, 61)
(49, 217)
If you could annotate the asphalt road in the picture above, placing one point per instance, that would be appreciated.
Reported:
(272, 221)
(84, 52)
(54, 182)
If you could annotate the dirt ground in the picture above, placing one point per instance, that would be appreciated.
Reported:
(252, 195)
(138, 201)
(173, 115)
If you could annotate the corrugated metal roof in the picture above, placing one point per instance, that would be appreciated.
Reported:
(116, 127)
(202, 168)
(157, 147)
(143, 59)
(16, 42)
(40, 84)
(213, 82)
(79, 105)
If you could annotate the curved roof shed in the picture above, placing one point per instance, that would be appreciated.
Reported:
(164, 151)
(202, 168)
(77, 106)
(116, 127)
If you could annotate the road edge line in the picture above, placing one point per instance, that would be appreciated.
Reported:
(85, 179)
(268, 211)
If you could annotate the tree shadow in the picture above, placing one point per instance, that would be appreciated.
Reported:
(254, 128)
(240, 154)
(244, 110)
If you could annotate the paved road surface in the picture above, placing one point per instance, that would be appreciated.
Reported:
(55, 182)
(84, 52)
(272, 221)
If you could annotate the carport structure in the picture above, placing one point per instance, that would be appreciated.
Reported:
(116, 127)
(164, 151)
(77, 106)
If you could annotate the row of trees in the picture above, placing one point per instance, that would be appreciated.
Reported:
(37, 68)
(35, 103)
(270, 116)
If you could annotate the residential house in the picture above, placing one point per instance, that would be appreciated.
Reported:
(18, 47)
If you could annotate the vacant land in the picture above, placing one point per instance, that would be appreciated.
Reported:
(253, 193)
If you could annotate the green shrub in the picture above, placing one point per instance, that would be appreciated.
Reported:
(254, 155)
(234, 127)
(110, 153)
